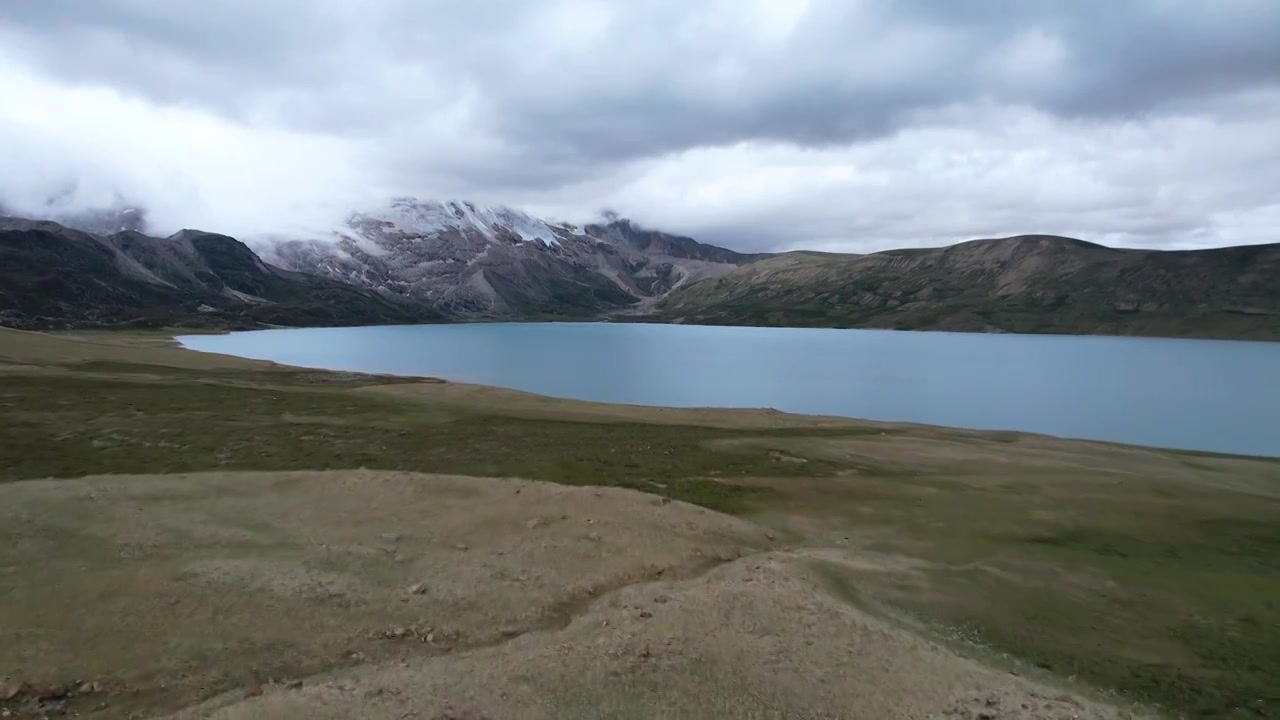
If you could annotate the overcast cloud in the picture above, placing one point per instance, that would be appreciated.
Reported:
(759, 124)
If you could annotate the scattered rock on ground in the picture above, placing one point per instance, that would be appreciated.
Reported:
(12, 689)
(1032, 706)
(459, 715)
(253, 690)
(48, 693)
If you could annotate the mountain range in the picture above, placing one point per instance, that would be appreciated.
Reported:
(427, 261)
(53, 276)
(481, 262)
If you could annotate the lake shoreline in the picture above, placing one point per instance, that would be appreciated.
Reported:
(1042, 384)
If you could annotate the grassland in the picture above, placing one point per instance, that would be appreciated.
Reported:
(1146, 577)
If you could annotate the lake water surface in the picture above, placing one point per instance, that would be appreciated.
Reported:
(1192, 394)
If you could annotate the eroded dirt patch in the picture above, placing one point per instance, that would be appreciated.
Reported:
(757, 637)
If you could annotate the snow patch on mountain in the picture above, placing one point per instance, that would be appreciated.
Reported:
(412, 216)
(365, 243)
(494, 261)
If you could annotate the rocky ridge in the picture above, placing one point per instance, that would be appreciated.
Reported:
(479, 262)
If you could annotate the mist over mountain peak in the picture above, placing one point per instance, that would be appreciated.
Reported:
(117, 216)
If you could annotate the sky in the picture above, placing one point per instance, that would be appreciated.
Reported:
(840, 125)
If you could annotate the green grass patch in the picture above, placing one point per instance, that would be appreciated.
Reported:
(73, 426)
(1169, 599)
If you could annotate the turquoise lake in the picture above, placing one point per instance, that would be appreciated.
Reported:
(1191, 394)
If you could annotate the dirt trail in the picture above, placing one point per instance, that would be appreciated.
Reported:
(758, 637)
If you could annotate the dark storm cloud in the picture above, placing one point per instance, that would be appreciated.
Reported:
(581, 102)
(610, 80)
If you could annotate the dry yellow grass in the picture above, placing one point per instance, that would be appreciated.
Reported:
(186, 583)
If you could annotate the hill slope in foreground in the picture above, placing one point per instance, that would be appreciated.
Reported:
(220, 538)
(1034, 283)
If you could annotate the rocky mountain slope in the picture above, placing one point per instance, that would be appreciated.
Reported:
(1031, 283)
(419, 261)
(479, 262)
(53, 276)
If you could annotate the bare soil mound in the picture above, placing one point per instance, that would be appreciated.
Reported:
(390, 595)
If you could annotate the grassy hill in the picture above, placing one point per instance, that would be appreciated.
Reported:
(1026, 284)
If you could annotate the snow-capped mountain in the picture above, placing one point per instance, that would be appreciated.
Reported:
(499, 262)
